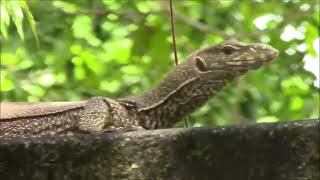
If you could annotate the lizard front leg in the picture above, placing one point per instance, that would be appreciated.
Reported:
(103, 114)
(96, 115)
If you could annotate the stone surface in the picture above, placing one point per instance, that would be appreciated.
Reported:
(275, 151)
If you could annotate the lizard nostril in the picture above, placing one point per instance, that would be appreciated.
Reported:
(275, 53)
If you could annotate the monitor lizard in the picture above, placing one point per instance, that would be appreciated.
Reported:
(186, 88)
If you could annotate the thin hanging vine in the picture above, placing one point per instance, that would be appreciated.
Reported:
(186, 123)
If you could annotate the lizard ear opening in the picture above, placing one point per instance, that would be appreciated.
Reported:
(201, 65)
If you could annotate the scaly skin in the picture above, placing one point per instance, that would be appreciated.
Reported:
(187, 87)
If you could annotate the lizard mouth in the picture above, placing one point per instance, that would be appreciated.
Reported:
(243, 66)
(239, 65)
(250, 63)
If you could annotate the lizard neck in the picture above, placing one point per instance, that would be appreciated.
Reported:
(182, 91)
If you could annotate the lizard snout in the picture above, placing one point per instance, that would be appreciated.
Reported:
(266, 52)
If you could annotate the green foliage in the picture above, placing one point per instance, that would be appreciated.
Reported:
(16, 10)
(121, 48)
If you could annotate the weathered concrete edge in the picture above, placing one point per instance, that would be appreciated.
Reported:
(161, 132)
(291, 147)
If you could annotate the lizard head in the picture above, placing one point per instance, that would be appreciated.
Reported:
(234, 56)
(197, 79)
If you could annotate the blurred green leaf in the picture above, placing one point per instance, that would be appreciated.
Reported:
(79, 73)
(9, 59)
(147, 6)
(91, 62)
(112, 4)
(131, 70)
(296, 103)
(110, 86)
(77, 61)
(119, 50)
(311, 34)
(25, 64)
(34, 90)
(82, 26)
(76, 49)
(4, 21)
(13, 8)
(294, 85)
(30, 19)
(60, 77)
(5, 83)
(66, 6)
(82, 29)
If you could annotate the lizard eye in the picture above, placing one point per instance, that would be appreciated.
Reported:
(228, 50)
(201, 65)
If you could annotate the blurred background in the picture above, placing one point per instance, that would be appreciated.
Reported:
(73, 50)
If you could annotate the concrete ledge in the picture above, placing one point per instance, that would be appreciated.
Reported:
(287, 150)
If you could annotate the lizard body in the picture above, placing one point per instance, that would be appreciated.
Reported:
(187, 87)
(51, 118)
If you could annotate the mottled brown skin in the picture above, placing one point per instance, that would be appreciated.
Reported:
(186, 88)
